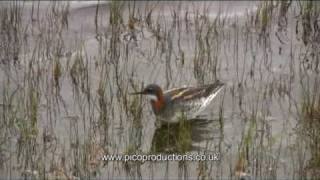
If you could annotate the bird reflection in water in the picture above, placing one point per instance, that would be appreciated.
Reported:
(184, 136)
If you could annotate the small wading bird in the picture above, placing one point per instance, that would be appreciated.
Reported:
(168, 105)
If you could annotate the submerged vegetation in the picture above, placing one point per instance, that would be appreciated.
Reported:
(66, 75)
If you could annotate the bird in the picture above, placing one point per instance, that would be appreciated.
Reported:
(171, 104)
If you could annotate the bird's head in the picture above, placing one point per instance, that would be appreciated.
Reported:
(153, 91)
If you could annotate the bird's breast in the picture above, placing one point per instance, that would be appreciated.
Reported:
(156, 106)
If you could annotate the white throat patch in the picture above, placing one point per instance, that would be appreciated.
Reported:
(152, 97)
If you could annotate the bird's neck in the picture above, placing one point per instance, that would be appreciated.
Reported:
(158, 103)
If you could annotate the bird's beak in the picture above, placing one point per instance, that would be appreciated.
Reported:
(137, 93)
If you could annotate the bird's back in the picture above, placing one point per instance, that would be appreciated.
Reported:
(189, 101)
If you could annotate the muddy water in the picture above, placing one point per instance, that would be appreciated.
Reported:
(182, 44)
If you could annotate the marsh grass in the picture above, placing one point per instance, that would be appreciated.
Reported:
(309, 111)
(62, 108)
(309, 125)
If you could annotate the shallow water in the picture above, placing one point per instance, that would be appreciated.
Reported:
(76, 66)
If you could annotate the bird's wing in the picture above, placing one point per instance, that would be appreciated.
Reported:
(196, 98)
(190, 93)
(172, 92)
